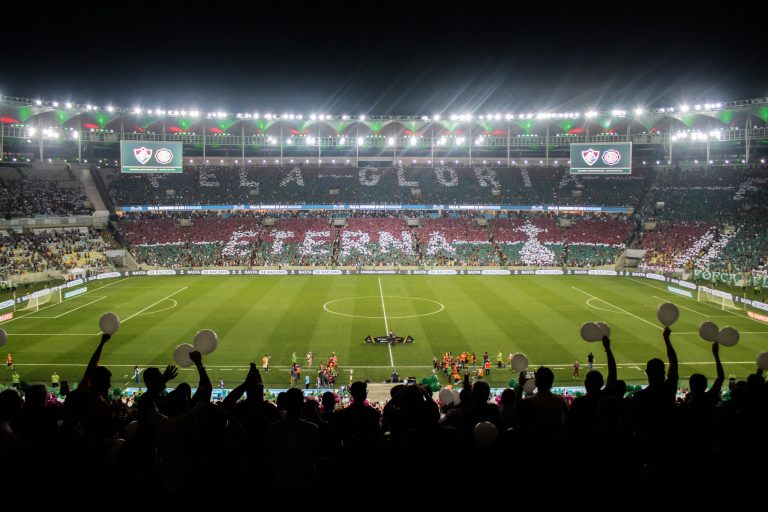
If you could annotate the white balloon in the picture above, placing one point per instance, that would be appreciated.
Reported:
(590, 331)
(519, 362)
(728, 336)
(109, 323)
(762, 361)
(529, 386)
(206, 341)
(456, 397)
(181, 355)
(3, 337)
(446, 396)
(605, 328)
(708, 331)
(667, 314)
(486, 433)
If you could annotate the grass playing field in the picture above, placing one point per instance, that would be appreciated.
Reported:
(279, 315)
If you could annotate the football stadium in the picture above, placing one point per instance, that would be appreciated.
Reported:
(275, 298)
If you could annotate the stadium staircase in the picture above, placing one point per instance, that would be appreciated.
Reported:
(83, 175)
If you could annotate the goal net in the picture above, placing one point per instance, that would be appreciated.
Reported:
(42, 298)
(723, 299)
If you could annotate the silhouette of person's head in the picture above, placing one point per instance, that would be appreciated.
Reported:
(655, 371)
(508, 397)
(10, 404)
(481, 392)
(359, 391)
(153, 379)
(698, 383)
(101, 380)
(395, 390)
(34, 397)
(544, 378)
(292, 402)
(176, 403)
(329, 401)
(186, 389)
(593, 381)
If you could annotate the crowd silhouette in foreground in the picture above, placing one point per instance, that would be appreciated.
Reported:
(179, 448)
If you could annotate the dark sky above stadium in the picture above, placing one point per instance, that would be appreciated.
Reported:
(394, 59)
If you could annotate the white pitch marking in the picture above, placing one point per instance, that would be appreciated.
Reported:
(154, 304)
(681, 306)
(618, 308)
(52, 305)
(386, 325)
(79, 307)
(697, 302)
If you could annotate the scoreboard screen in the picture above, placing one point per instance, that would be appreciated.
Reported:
(150, 157)
(601, 158)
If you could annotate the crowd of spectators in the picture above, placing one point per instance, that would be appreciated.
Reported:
(35, 193)
(178, 437)
(296, 184)
(46, 250)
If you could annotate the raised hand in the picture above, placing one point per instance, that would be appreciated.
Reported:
(606, 343)
(196, 357)
(170, 372)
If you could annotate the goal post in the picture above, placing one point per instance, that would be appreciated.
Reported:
(722, 299)
(41, 298)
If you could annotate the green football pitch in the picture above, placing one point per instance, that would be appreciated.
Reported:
(278, 315)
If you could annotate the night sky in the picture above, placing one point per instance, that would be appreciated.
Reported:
(402, 60)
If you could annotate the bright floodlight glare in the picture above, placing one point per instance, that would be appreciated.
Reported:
(638, 111)
(509, 117)
(391, 141)
(412, 141)
(38, 102)
(436, 117)
(55, 104)
(684, 108)
(362, 117)
(31, 132)
(359, 141)
(110, 108)
(342, 140)
(68, 105)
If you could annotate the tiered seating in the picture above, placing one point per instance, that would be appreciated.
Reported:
(311, 184)
(676, 244)
(450, 241)
(297, 241)
(534, 241)
(51, 250)
(221, 241)
(376, 242)
(26, 193)
(595, 241)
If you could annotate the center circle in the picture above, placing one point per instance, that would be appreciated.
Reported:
(370, 306)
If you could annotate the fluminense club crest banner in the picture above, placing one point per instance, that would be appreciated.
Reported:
(150, 157)
(601, 158)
